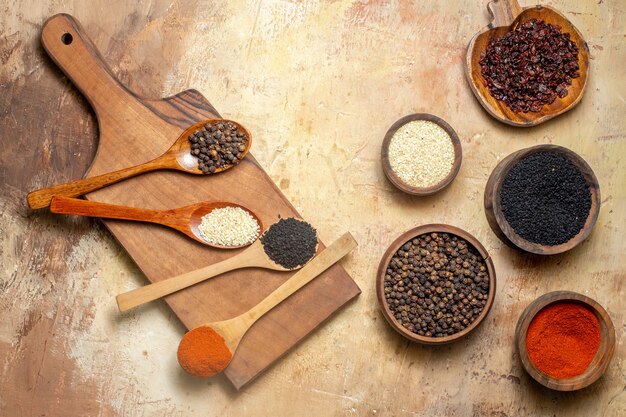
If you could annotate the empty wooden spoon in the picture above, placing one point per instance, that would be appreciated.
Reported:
(508, 15)
(253, 256)
(177, 157)
(218, 341)
(184, 219)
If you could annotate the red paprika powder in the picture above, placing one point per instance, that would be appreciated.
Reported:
(203, 352)
(563, 339)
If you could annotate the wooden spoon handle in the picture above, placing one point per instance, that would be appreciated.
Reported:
(329, 256)
(504, 12)
(41, 198)
(65, 205)
(64, 40)
(169, 286)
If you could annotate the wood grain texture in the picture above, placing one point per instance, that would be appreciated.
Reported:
(504, 12)
(41, 198)
(601, 360)
(131, 132)
(508, 15)
(253, 257)
(504, 231)
(185, 219)
(396, 180)
(386, 259)
(233, 330)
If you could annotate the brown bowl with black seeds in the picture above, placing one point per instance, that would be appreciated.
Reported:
(439, 307)
(544, 199)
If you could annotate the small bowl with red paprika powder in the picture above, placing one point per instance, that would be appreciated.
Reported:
(565, 340)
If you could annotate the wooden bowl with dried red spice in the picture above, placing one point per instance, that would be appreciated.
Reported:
(565, 340)
(545, 38)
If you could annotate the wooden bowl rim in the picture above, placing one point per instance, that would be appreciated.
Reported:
(497, 114)
(603, 355)
(395, 179)
(401, 240)
(594, 188)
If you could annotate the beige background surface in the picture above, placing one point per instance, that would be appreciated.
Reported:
(318, 83)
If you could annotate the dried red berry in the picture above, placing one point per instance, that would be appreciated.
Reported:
(530, 66)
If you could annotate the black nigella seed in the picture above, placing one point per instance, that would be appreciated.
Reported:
(545, 198)
(290, 242)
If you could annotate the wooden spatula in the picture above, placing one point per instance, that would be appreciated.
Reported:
(233, 330)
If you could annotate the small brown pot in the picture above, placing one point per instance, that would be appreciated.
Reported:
(493, 208)
(599, 363)
(397, 244)
(393, 177)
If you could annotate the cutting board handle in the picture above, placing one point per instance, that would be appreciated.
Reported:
(64, 39)
(504, 12)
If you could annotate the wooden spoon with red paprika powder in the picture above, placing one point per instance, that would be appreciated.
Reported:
(208, 349)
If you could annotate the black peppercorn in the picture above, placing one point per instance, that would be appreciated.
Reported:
(218, 145)
(424, 277)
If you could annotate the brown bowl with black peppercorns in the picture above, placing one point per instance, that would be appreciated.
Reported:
(435, 284)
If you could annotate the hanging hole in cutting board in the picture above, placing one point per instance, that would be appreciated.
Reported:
(67, 38)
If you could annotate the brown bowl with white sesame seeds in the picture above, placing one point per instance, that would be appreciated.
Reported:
(435, 284)
(421, 154)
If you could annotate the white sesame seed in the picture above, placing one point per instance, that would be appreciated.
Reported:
(229, 226)
(421, 153)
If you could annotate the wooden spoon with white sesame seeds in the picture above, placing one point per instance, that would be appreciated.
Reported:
(184, 219)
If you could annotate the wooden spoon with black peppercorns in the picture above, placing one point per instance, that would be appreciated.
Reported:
(207, 147)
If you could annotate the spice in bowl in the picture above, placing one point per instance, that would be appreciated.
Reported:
(290, 242)
(436, 285)
(229, 226)
(545, 198)
(530, 66)
(218, 145)
(421, 153)
(562, 339)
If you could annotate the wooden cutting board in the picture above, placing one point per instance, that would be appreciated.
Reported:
(134, 130)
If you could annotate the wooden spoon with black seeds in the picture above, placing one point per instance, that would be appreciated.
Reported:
(286, 245)
(207, 147)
